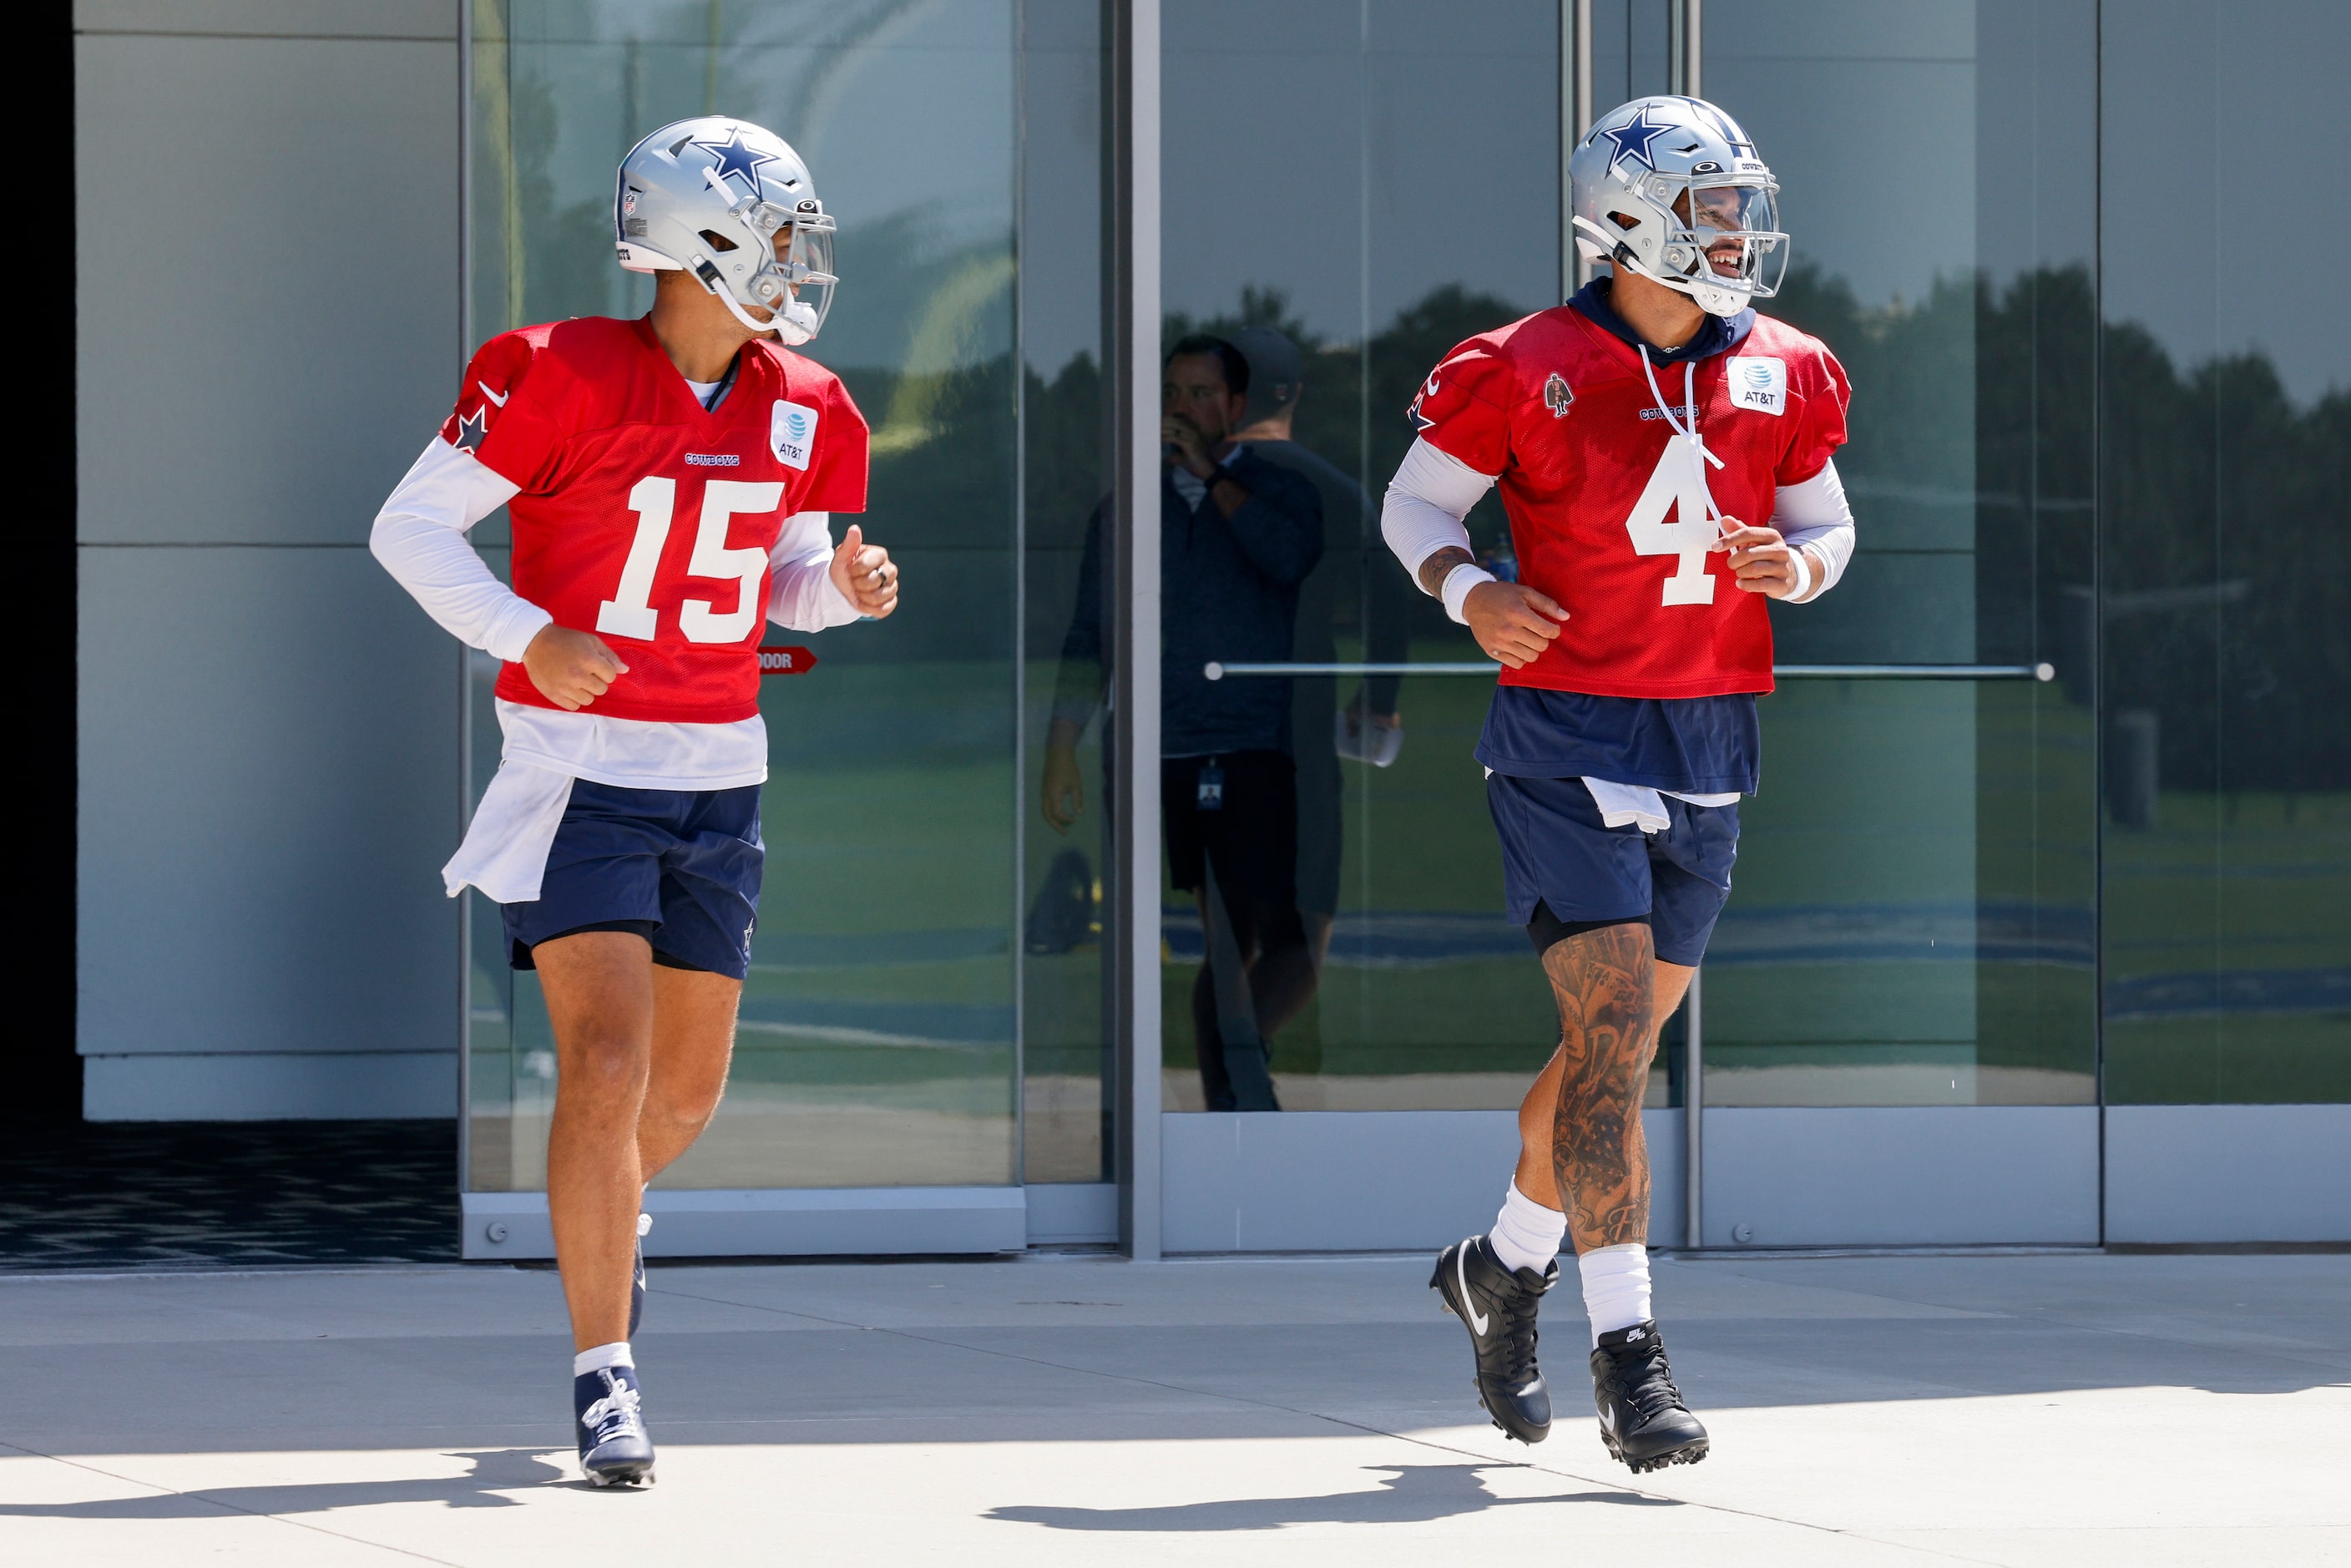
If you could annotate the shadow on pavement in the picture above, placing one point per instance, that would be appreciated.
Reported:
(495, 1473)
(1413, 1494)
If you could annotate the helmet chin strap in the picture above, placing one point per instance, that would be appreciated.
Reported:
(794, 324)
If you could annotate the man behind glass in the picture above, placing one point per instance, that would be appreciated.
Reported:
(1237, 537)
(1356, 587)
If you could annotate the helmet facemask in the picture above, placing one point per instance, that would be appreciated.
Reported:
(1689, 226)
(794, 282)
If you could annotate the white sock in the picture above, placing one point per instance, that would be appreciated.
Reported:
(597, 1358)
(1526, 1235)
(1615, 1287)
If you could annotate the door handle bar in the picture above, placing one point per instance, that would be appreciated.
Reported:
(1216, 671)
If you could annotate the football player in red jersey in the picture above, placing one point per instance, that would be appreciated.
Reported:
(668, 481)
(1663, 453)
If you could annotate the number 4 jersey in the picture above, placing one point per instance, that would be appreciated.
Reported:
(645, 518)
(1608, 505)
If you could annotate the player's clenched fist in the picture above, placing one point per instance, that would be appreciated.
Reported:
(573, 668)
(866, 574)
(1759, 560)
(1512, 621)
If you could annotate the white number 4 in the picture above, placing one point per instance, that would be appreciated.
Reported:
(630, 611)
(1678, 486)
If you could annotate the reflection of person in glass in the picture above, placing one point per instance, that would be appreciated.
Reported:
(1349, 589)
(1630, 431)
(1237, 537)
(621, 835)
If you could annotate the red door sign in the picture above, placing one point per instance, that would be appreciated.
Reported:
(786, 660)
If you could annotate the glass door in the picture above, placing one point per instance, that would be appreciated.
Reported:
(1898, 1009)
(1897, 1027)
(877, 1090)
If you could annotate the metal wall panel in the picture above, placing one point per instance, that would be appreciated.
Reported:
(1344, 1181)
(268, 238)
(1907, 1176)
(769, 1222)
(267, 763)
(2187, 1174)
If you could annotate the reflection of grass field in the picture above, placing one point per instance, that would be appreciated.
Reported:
(1889, 799)
(2228, 952)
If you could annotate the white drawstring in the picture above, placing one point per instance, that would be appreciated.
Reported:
(1686, 432)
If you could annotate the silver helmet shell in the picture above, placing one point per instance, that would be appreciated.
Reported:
(1660, 182)
(709, 196)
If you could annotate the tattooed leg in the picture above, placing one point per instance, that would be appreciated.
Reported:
(1605, 981)
(1540, 1109)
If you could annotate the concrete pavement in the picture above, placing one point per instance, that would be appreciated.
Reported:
(2076, 1409)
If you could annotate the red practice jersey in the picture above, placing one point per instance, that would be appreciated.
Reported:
(644, 519)
(1606, 516)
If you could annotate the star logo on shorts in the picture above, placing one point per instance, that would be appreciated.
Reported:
(470, 431)
(1558, 396)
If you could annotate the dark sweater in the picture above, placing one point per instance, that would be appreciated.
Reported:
(1227, 593)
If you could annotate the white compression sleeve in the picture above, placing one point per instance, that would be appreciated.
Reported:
(1816, 513)
(801, 590)
(420, 538)
(1431, 493)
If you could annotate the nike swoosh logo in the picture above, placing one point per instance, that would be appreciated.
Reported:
(1608, 1418)
(494, 397)
(1478, 1321)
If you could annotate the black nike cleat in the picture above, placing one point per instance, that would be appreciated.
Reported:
(637, 1279)
(1642, 1418)
(1497, 1307)
(611, 1424)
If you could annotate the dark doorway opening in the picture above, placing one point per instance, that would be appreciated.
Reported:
(199, 1195)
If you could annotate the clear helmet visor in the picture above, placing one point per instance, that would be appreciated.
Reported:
(1730, 236)
(796, 285)
(805, 259)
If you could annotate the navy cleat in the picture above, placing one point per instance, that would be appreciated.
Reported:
(1642, 1418)
(1497, 1307)
(637, 1279)
(611, 1421)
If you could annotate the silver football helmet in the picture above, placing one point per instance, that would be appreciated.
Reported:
(1671, 188)
(708, 196)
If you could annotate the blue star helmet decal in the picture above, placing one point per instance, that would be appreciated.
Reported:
(739, 161)
(1633, 138)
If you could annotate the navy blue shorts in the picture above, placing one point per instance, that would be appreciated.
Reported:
(679, 867)
(1556, 850)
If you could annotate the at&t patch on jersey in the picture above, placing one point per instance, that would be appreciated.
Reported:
(792, 434)
(1759, 383)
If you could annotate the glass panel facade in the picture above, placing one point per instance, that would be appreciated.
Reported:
(1913, 915)
(880, 1036)
(1940, 879)
(2227, 438)
(1066, 1016)
(1310, 194)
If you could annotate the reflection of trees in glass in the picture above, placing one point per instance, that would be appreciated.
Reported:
(2225, 505)
(2220, 497)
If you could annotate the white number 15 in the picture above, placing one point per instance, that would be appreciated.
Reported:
(630, 611)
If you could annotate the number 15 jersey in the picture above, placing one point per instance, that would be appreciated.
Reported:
(645, 518)
(1607, 512)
